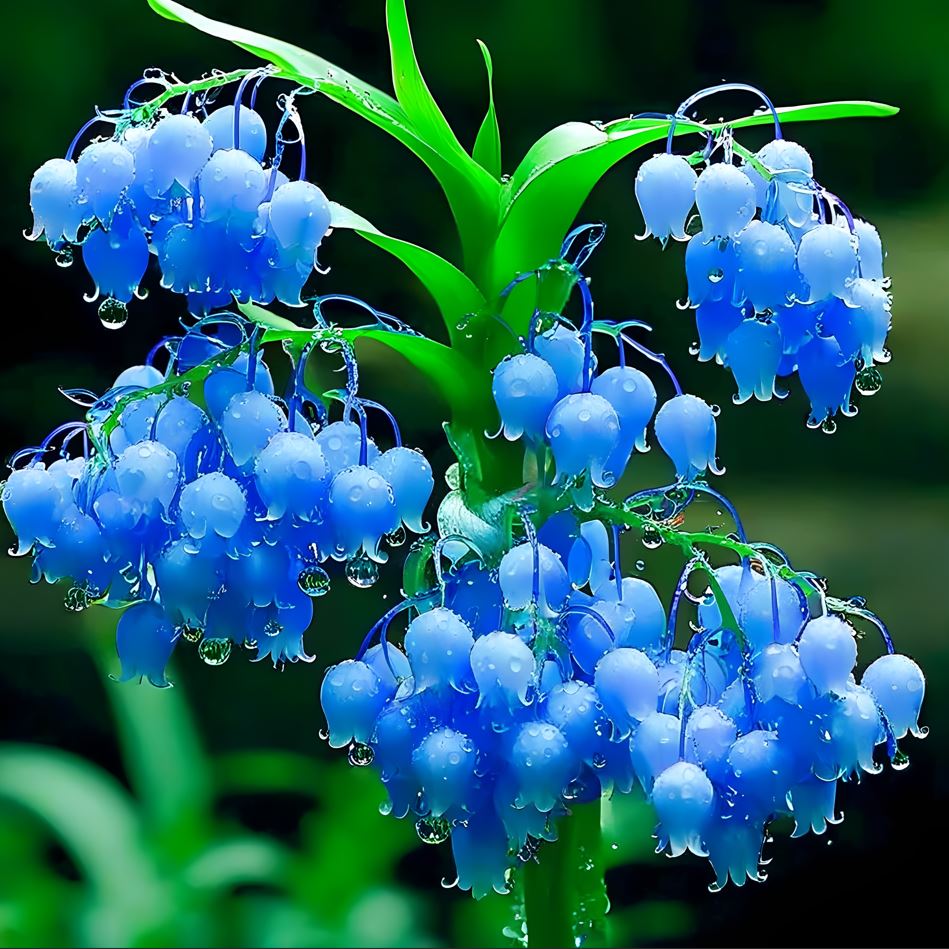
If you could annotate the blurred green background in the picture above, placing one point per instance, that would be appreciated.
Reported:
(211, 814)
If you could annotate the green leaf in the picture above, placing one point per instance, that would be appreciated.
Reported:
(456, 378)
(487, 146)
(93, 817)
(410, 87)
(472, 193)
(453, 293)
(549, 186)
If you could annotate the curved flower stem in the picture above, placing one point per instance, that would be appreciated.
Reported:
(564, 893)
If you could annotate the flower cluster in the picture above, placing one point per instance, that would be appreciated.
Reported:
(551, 396)
(210, 524)
(196, 189)
(782, 277)
(553, 679)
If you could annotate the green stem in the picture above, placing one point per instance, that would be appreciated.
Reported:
(564, 891)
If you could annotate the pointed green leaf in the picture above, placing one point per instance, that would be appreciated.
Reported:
(454, 294)
(471, 192)
(487, 146)
(549, 186)
(94, 819)
(411, 89)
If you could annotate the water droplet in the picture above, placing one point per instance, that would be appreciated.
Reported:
(640, 564)
(433, 830)
(900, 760)
(599, 760)
(191, 632)
(360, 755)
(397, 537)
(215, 652)
(453, 476)
(271, 628)
(652, 539)
(313, 580)
(828, 426)
(113, 313)
(385, 808)
(65, 256)
(79, 597)
(324, 734)
(869, 381)
(716, 410)
(716, 276)
(361, 571)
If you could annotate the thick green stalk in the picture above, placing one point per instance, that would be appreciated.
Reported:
(564, 892)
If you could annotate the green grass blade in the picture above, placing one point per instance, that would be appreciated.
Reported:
(94, 819)
(487, 146)
(412, 91)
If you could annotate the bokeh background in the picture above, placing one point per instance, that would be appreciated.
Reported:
(211, 814)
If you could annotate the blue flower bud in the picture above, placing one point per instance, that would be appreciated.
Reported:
(715, 321)
(827, 376)
(118, 257)
(212, 504)
(897, 685)
(869, 250)
(768, 612)
(633, 397)
(291, 475)
(352, 698)
(250, 420)
(479, 848)
(812, 804)
(516, 578)
(685, 428)
(232, 185)
(144, 641)
(33, 504)
(655, 747)
(828, 653)
(103, 173)
(684, 800)
(710, 268)
(299, 215)
(870, 317)
(148, 473)
(340, 443)
(444, 763)
(753, 353)
(563, 349)
(362, 508)
(827, 260)
(176, 150)
(543, 764)
(410, 476)
(709, 735)
(252, 132)
(628, 685)
(503, 667)
(725, 199)
(438, 645)
(767, 275)
(665, 190)
(186, 580)
(583, 430)
(525, 389)
(854, 728)
(792, 182)
(54, 198)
